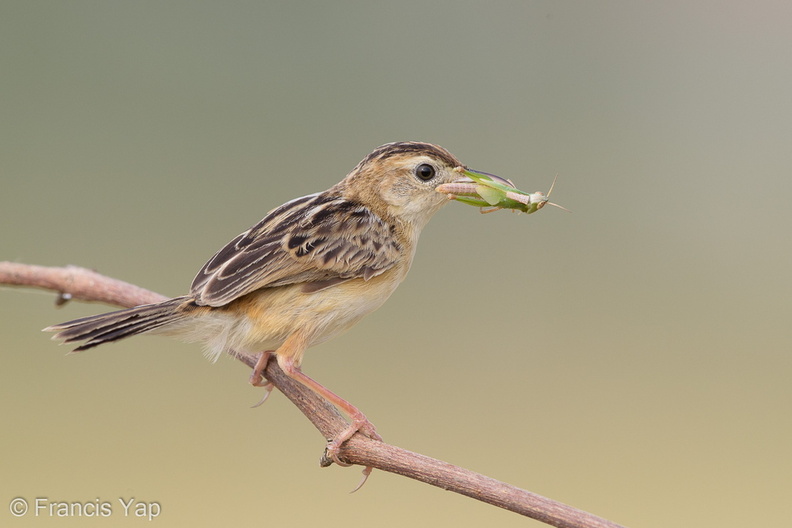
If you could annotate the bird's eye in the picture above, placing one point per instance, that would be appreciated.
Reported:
(425, 171)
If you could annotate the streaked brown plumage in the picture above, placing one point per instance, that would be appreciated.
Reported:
(309, 270)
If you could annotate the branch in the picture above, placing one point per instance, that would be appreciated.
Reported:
(86, 285)
(73, 282)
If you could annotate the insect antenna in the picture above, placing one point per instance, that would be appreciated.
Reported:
(550, 191)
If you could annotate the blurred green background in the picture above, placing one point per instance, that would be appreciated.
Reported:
(632, 359)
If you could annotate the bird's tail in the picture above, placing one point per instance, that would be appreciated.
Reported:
(104, 328)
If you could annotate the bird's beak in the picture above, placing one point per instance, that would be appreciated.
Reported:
(464, 178)
(470, 185)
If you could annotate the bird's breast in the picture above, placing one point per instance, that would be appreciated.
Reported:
(273, 314)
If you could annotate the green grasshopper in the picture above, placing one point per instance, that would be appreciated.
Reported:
(492, 193)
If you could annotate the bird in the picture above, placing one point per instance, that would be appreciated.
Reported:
(308, 271)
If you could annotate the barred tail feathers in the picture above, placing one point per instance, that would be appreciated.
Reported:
(104, 328)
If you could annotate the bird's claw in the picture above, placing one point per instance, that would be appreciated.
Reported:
(333, 449)
(268, 386)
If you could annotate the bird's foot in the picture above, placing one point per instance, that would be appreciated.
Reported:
(360, 424)
(257, 378)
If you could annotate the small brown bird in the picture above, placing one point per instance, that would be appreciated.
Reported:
(308, 271)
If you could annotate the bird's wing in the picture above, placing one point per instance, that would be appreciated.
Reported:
(318, 239)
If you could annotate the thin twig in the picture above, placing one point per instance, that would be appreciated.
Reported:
(87, 285)
(79, 283)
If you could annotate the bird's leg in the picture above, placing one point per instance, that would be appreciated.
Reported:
(289, 355)
(359, 421)
(257, 376)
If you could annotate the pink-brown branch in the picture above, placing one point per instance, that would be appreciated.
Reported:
(86, 285)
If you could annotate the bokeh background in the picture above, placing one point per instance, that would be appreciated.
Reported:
(631, 358)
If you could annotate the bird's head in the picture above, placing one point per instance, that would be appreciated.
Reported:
(399, 180)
